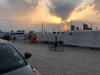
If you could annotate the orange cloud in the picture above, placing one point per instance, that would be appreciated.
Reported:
(42, 14)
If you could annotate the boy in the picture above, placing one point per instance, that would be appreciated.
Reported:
(14, 39)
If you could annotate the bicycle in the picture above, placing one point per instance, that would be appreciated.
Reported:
(60, 47)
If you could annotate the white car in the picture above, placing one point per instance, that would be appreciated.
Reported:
(12, 62)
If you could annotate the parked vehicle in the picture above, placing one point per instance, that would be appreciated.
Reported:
(12, 62)
(5, 37)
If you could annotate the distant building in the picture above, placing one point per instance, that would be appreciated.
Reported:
(45, 32)
(85, 27)
(23, 30)
(90, 29)
(19, 35)
(77, 28)
(58, 32)
(12, 31)
(20, 30)
(62, 32)
(72, 27)
(1, 31)
(54, 32)
(33, 32)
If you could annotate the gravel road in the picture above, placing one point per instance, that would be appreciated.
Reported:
(72, 61)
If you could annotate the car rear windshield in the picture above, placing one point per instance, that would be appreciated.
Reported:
(10, 59)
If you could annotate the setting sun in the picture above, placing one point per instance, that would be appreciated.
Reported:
(66, 27)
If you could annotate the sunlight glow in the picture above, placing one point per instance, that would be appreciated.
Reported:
(66, 27)
(56, 20)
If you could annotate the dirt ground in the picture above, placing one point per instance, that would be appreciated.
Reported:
(72, 61)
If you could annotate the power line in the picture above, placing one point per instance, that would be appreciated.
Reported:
(25, 21)
(19, 21)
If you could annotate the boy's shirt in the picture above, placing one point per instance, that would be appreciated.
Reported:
(55, 41)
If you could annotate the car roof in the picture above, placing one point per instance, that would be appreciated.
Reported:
(3, 41)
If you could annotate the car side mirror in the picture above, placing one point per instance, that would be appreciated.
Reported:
(27, 55)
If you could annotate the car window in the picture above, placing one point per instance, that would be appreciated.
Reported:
(10, 58)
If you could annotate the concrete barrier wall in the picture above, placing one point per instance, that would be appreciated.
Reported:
(78, 38)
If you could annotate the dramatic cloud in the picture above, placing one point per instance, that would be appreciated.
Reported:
(48, 11)
(63, 9)
(86, 4)
(90, 3)
(97, 18)
(60, 9)
(96, 6)
(23, 6)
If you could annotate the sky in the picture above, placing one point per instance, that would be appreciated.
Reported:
(56, 14)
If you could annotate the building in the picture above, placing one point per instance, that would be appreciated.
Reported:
(54, 32)
(85, 26)
(72, 27)
(90, 29)
(77, 28)
(21, 31)
(1, 31)
(33, 31)
(30, 35)
(19, 35)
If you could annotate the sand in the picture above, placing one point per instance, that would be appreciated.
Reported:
(72, 61)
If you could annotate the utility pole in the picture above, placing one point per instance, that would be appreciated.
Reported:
(71, 24)
(58, 29)
(91, 25)
(27, 30)
(11, 28)
(42, 26)
(71, 21)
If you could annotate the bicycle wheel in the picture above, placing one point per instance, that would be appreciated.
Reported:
(51, 47)
(60, 48)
